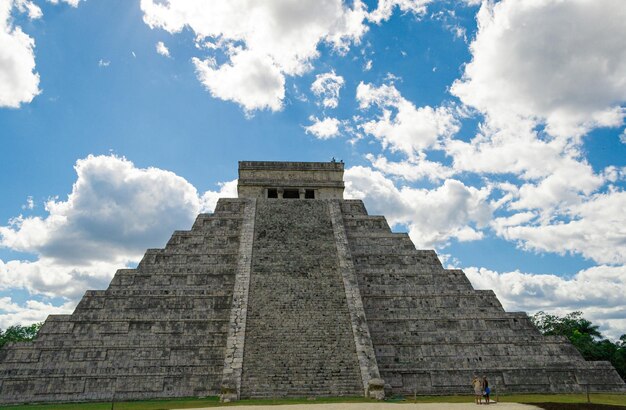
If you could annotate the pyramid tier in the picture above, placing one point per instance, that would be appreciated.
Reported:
(432, 331)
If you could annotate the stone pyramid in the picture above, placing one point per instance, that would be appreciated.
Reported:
(289, 290)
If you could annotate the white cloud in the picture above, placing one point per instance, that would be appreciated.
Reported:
(326, 87)
(28, 7)
(614, 174)
(323, 129)
(19, 82)
(209, 198)
(410, 129)
(561, 63)
(30, 312)
(622, 137)
(162, 49)
(452, 210)
(516, 151)
(594, 228)
(552, 171)
(564, 187)
(253, 81)
(263, 41)
(73, 3)
(54, 278)
(385, 8)
(103, 63)
(414, 169)
(114, 212)
(30, 204)
(598, 292)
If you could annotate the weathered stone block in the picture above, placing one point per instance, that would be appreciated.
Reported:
(289, 297)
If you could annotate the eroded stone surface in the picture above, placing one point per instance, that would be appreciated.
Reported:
(432, 331)
(299, 339)
(233, 360)
(290, 297)
(158, 331)
(372, 384)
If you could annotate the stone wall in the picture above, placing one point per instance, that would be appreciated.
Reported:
(326, 178)
(157, 331)
(432, 331)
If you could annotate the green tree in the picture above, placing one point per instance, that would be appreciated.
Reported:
(19, 333)
(565, 325)
(585, 336)
(619, 357)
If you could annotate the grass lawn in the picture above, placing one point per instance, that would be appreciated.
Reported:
(189, 403)
(185, 403)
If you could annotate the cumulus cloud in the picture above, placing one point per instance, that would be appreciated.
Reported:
(209, 199)
(598, 291)
(564, 187)
(114, 210)
(263, 42)
(19, 82)
(162, 49)
(414, 169)
(31, 9)
(594, 228)
(550, 172)
(554, 184)
(323, 129)
(401, 126)
(32, 311)
(558, 63)
(326, 87)
(260, 43)
(434, 217)
(54, 278)
(251, 80)
(516, 151)
(385, 8)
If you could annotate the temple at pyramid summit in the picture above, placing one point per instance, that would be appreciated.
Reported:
(290, 290)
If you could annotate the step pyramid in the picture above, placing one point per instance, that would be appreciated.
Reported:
(289, 291)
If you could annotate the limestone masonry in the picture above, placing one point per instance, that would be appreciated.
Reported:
(289, 290)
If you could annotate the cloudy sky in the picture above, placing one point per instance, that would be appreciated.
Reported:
(490, 131)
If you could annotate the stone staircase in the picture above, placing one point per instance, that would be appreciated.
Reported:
(299, 340)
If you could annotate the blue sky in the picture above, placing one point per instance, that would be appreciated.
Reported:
(492, 132)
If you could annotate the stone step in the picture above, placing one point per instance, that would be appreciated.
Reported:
(294, 283)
